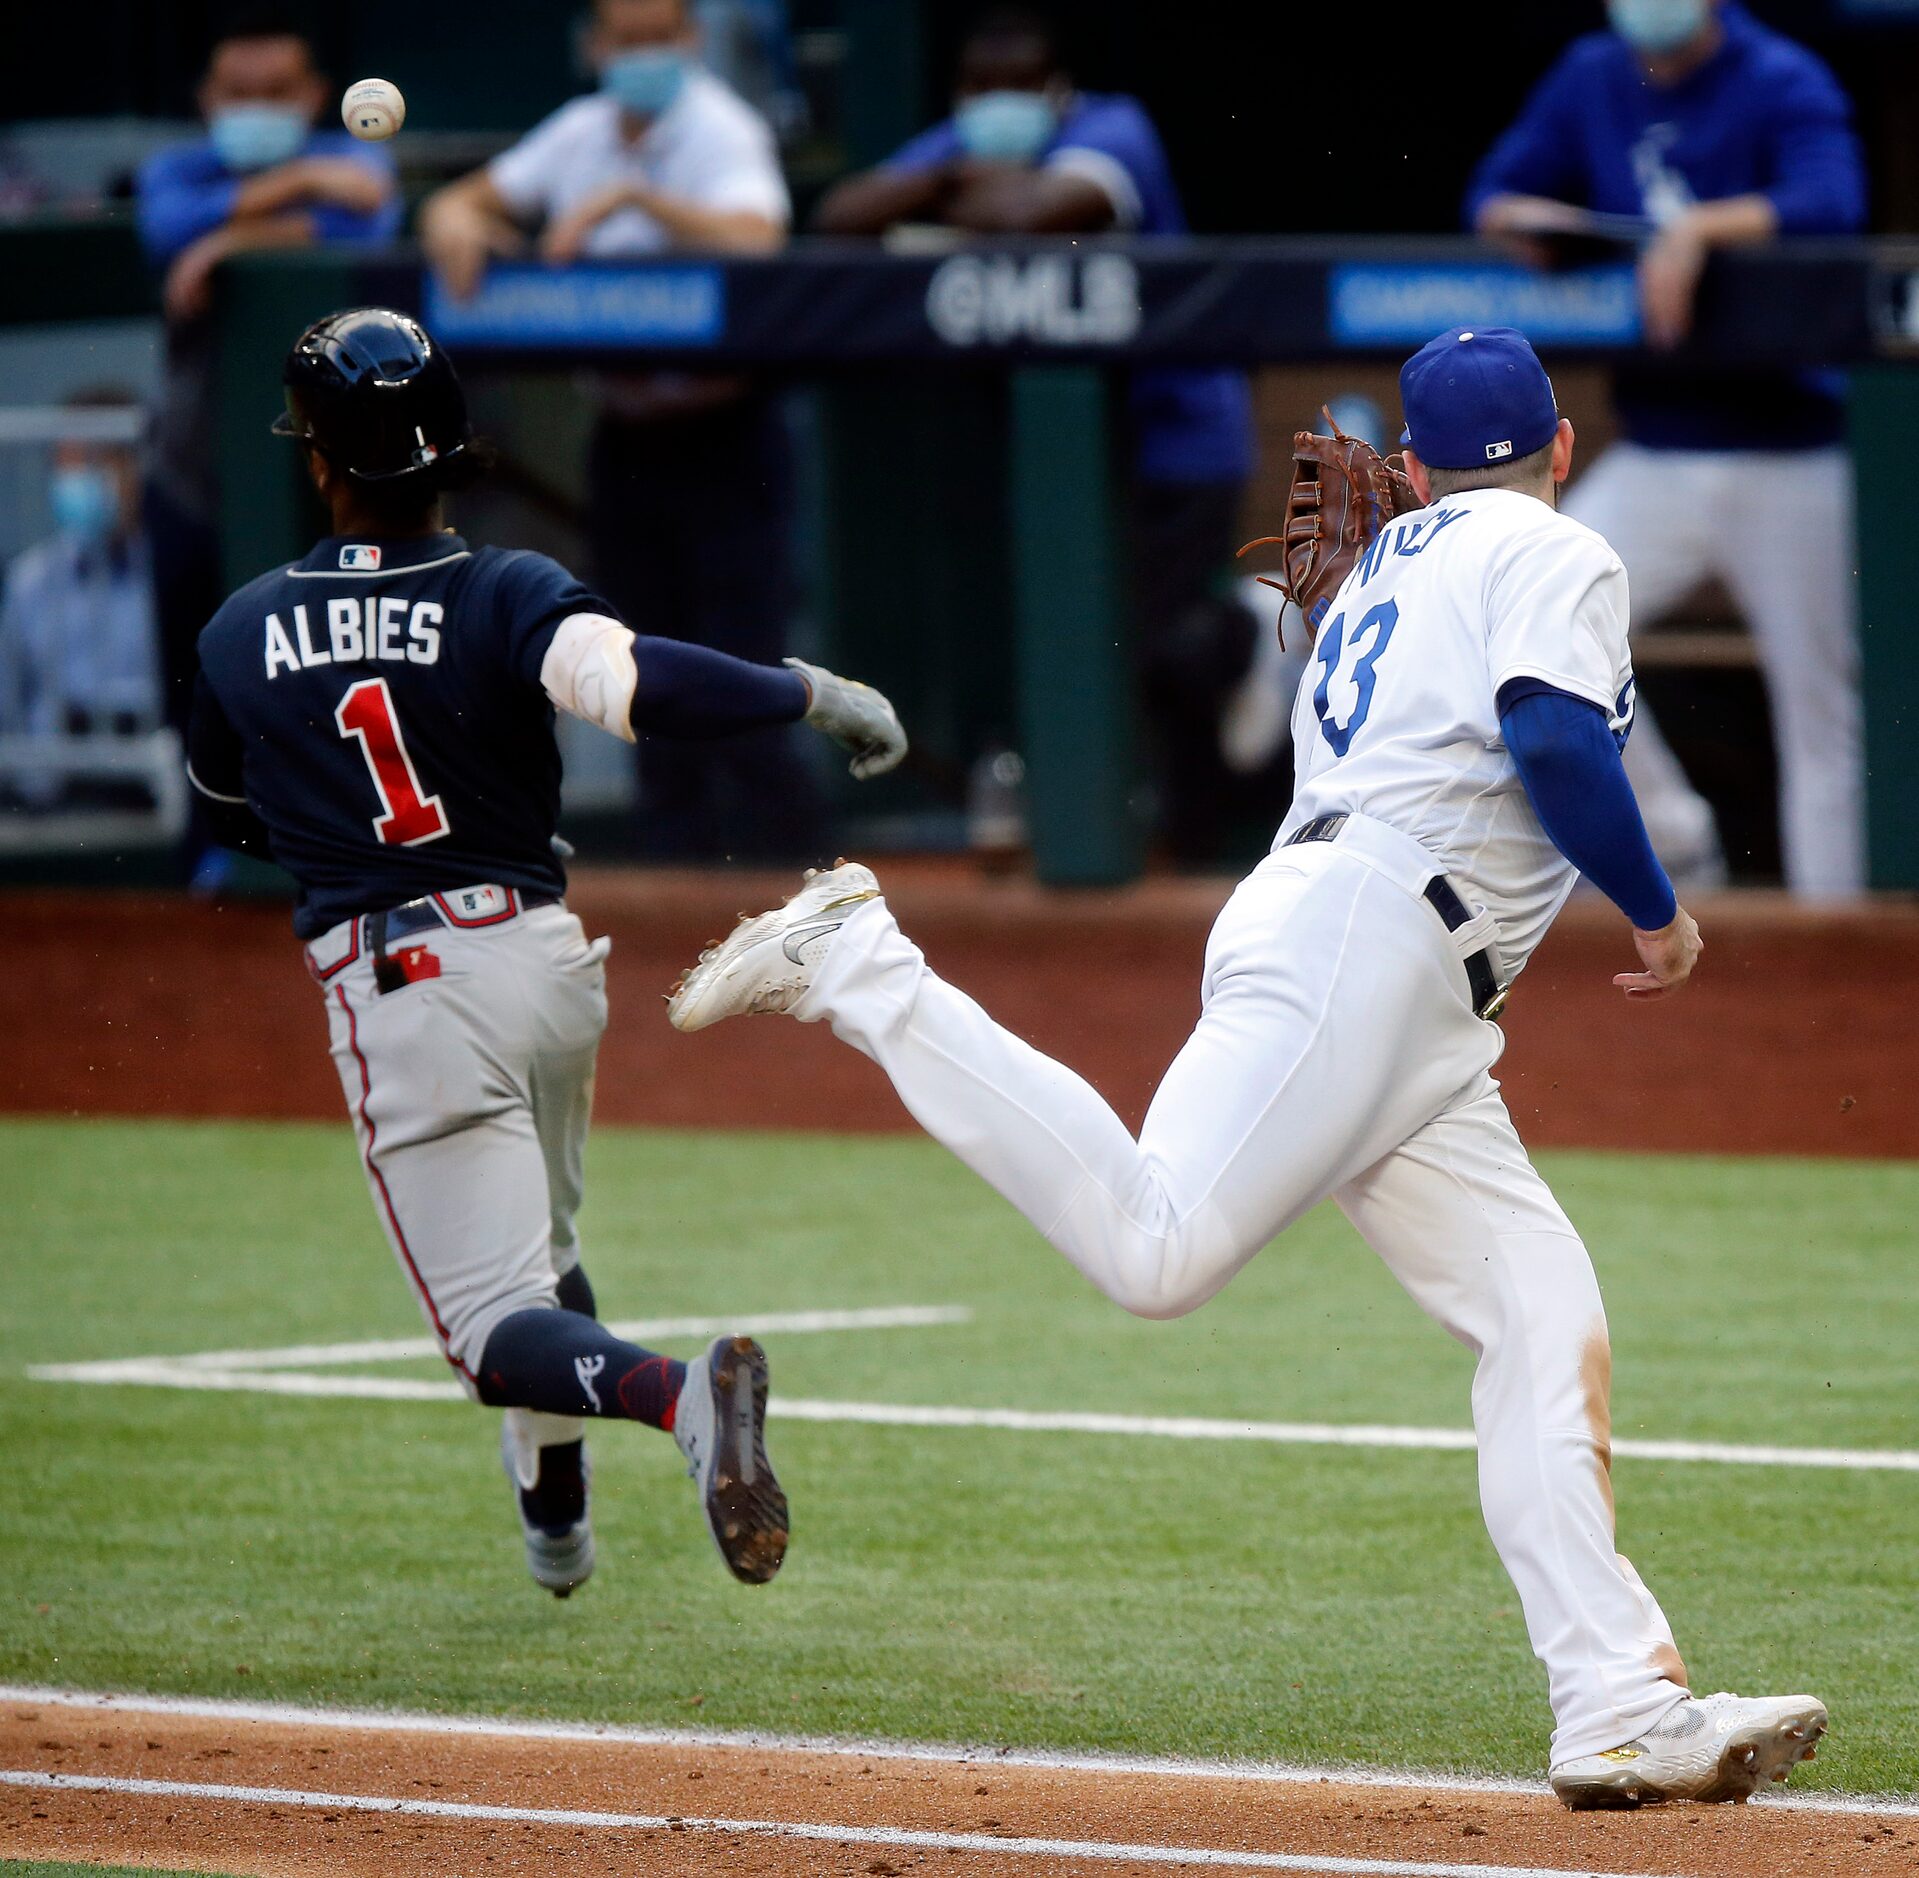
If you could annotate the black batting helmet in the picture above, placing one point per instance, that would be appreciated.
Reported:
(372, 392)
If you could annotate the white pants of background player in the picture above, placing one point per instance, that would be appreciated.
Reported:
(1776, 527)
(1336, 1053)
(471, 1094)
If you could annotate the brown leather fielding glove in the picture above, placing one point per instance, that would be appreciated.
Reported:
(1344, 492)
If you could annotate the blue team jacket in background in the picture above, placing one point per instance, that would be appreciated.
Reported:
(1762, 116)
(186, 192)
(1192, 424)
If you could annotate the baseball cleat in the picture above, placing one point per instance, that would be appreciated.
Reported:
(768, 960)
(559, 1557)
(720, 1424)
(1719, 1747)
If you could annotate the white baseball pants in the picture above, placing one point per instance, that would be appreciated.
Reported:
(1336, 1053)
(1777, 528)
(470, 1094)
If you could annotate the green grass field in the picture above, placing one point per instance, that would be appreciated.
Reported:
(1086, 1591)
(36, 1868)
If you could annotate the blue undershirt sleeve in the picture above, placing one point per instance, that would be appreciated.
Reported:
(1569, 763)
(690, 691)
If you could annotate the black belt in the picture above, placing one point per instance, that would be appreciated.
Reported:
(1482, 978)
(418, 916)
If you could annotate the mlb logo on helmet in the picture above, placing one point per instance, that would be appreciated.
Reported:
(1475, 396)
(360, 560)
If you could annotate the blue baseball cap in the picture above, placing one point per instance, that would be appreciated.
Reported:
(1476, 395)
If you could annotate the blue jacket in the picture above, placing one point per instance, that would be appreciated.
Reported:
(1191, 424)
(185, 192)
(1762, 116)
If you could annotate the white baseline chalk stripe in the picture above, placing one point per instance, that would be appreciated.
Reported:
(1313, 1434)
(186, 1373)
(1087, 1761)
(898, 1836)
(634, 1329)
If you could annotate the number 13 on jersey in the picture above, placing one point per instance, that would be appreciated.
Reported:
(1344, 695)
(411, 816)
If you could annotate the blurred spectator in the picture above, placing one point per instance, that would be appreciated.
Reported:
(749, 43)
(1025, 152)
(79, 654)
(689, 501)
(1719, 133)
(262, 177)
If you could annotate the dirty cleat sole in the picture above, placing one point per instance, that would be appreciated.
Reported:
(720, 1424)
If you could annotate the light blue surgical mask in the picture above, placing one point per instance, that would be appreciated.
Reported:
(1657, 26)
(257, 136)
(86, 503)
(646, 80)
(1006, 126)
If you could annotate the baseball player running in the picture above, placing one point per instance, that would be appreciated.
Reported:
(379, 718)
(1459, 731)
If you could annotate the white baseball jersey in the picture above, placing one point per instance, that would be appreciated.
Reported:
(1396, 715)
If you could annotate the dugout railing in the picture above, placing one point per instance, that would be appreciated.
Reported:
(1060, 320)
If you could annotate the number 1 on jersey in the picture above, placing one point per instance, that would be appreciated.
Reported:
(366, 712)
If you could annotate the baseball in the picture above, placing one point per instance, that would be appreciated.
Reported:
(373, 109)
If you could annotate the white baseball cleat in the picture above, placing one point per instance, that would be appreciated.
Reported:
(559, 1557)
(1711, 1748)
(766, 962)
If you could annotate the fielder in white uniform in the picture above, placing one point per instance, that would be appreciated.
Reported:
(1343, 1046)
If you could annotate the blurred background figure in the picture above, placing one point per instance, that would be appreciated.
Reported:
(1718, 132)
(690, 476)
(79, 652)
(263, 176)
(1024, 152)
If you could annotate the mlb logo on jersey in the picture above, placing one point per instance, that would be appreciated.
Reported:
(360, 560)
(1494, 451)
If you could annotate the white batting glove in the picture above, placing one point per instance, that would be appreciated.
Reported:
(856, 717)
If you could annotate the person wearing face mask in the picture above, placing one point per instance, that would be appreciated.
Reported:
(261, 177)
(78, 649)
(1719, 133)
(689, 482)
(1025, 152)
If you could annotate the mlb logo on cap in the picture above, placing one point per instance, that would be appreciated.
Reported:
(363, 560)
(1476, 395)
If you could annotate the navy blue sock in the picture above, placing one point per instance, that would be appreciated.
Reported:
(557, 1500)
(576, 1292)
(563, 1363)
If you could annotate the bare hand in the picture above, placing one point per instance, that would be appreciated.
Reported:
(1669, 273)
(344, 183)
(459, 240)
(565, 236)
(1668, 955)
(1522, 224)
(188, 292)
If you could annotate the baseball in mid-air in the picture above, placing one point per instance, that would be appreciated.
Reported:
(373, 109)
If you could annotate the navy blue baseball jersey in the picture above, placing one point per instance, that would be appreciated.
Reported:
(378, 707)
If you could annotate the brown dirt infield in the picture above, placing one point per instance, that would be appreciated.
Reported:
(1801, 1034)
(1441, 1829)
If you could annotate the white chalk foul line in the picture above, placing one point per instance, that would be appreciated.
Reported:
(900, 1837)
(203, 1372)
(284, 1370)
(1085, 1761)
(635, 1329)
